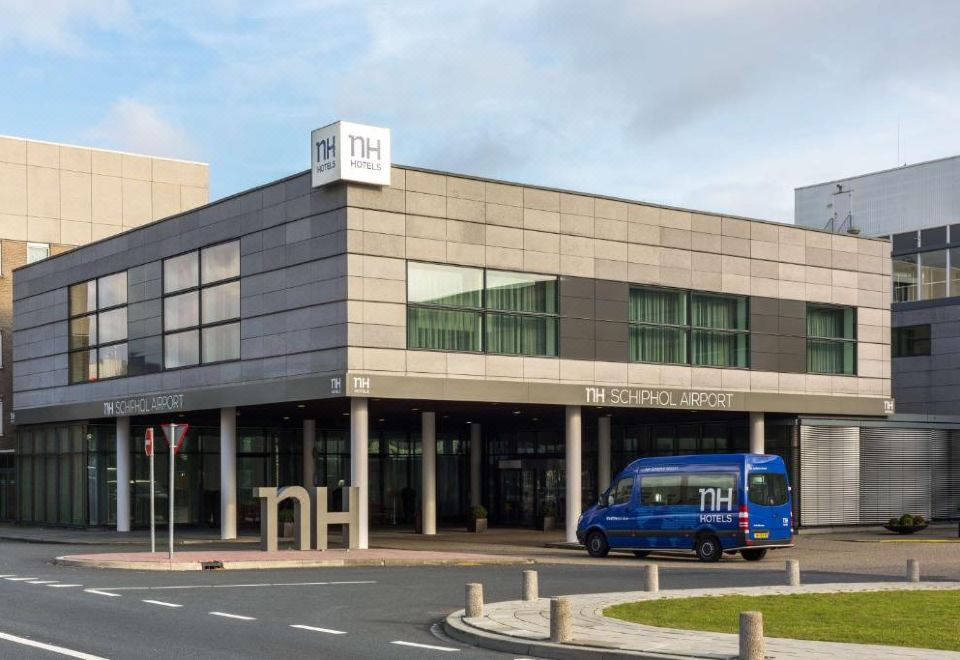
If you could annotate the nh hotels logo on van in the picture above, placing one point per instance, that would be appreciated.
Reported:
(344, 151)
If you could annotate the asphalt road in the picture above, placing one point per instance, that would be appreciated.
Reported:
(284, 613)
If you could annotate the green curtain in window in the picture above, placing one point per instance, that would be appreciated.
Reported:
(658, 306)
(521, 293)
(650, 343)
(719, 312)
(827, 356)
(521, 335)
(442, 329)
(828, 322)
(719, 349)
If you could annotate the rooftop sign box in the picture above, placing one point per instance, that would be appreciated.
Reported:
(344, 151)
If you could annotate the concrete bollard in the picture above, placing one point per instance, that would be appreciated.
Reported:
(913, 570)
(531, 590)
(474, 608)
(560, 627)
(751, 636)
(793, 572)
(651, 578)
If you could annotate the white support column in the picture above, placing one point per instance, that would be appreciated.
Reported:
(756, 433)
(309, 460)
(476, 437)
(428, 473)
(228, 473)
(572, 466)
(123, 474)
(603, 453)
(359, 456)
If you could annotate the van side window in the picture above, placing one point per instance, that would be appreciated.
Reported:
(660, 489)
(716, 487)
(624, 491)
(767, 489)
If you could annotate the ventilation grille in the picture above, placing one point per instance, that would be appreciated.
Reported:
(829, 475)
(895, 465)
(946, 475)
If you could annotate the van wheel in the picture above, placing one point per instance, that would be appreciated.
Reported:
(708, 548)
(597, 545)
(641, 554)
(754, 554)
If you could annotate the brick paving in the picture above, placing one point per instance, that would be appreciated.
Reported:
(596, 634)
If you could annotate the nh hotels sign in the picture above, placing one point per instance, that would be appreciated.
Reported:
(344, 151)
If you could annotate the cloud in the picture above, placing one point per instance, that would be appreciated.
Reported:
(57, 26)
(130, 125)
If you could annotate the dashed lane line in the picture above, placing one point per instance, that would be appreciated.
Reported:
(234, 616)
(49, 647)
(20, 579)
(316, 629)
(237, 586)
(42, 581)
(162, 603)
(431, 647)
(64, 586)
(101, 593)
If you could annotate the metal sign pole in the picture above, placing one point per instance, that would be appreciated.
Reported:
(153, 517)
(173, 446)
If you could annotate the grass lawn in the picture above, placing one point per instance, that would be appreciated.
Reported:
(922, 619)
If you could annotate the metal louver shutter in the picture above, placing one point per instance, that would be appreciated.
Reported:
(829, 475)
(894, 472)
(946, 475)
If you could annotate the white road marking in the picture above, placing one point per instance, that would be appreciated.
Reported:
(63, 586)
(315, 629)
(354, 582)
(42, 582)
(50, 647)
(426, 646)
(235, 586)
(162, 602)
(20, 579)
(101, 593)
(8, 575)
(234, 616)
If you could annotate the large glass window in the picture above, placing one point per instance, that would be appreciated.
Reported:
(98, 329)
(672, 326)
(201, 310)
(910, 340)
(905, 286)
(767, 489)
(446, 303)
(831, 339)
(933, 275)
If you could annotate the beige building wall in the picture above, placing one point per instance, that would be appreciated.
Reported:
(57, 193)
(449, 219)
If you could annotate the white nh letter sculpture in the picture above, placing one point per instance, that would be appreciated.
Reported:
(270, 499)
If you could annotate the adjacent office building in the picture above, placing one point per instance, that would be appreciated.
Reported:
(440, 341)
(56, 196)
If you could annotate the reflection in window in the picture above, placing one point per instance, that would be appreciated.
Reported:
(181, 349)
(112, 325)
(112, 290)
(221, 302)
(221, 342)
(220, 262)
(37, 251)
(933, 275)
(180, 272)
(181, 311)
(444, 329)
(98, 329)
(910, 340)
(437, 284)
(905, 287)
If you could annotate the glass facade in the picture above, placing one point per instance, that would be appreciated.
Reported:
(910, 340)
(831, 340)
(672, 326)
(201, 306)
(456, 308)
(98, 329)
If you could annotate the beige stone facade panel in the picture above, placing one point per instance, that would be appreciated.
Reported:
(467, 364)
(607, 269)
(43, 192)
(137, 202)
(506, 195)
(578, 371)
(611, 209)
(459, 188)
(43, 230)
(165, 200)
(13, 227)
(643, 214)
(612, 373)
(384, 336)
(576, 225)
(640, 373)
(611, 230)
(379, 359)
(582, 247)
(43, 154)
(643, 233)
(75, 196)
(137, 167)
(574, 266)
(13, 189)
(419, 226)
(501, 214)
(98, 231)
(675, 238)
(107, 163)
(425, 204)
(466, 232)
(540, 220)
(539, 241)
(75, 159)
(379, 267)
(13, 150)
(735, 228)
(466, 254)
(705, 224)
(767, 233)
(541, 200)
(465, 209)
(191, 197)
(577, 204)
(75, 233)
(506, 237)
(383, 222)
(541, 262)
(705, 242)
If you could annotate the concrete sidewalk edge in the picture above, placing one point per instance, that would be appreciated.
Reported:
(457, 628)
(286, 563)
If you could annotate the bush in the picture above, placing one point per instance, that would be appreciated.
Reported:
(478, 513)
(894, 522)
(918, 520)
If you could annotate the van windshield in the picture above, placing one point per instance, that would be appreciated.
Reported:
(768, 489)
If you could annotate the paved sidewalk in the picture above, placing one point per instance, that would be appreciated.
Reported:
(258, 559)
(524, 628)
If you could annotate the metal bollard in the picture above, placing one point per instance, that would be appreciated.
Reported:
(530, 587)
(560, 620)
(474, 606)
(913, 570)
(793, 572)
(651, 578)
(751, 636)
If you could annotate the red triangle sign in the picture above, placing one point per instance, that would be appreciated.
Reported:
(180, 430)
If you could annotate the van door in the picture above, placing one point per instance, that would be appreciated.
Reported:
(621, 514)
(769, 499)
(659, 498)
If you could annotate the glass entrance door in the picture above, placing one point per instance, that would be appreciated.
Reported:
(517, 497)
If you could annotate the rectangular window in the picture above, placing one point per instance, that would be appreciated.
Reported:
(933, 275)
(521, 292)
(449, 286)
(623, 491)
(910, 341)
(704, 488)
(98, 329)
(659, 325)
(532, 329)
(831, 339)
(719, 337)
(444, 329)
(768, 489)
(661, 489)
(955, 266)
(37, 251)
(201, 311)
(521, 335)
(905, 287)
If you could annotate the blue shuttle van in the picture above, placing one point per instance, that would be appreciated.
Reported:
(711, 504)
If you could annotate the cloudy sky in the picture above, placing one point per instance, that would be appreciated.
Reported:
(723, 105)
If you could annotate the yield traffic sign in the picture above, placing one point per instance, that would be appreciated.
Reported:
(175, 433)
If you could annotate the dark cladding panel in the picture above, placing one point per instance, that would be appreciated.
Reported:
(933, 237)
(145, 356)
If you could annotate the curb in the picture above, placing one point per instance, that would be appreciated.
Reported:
(241, 565)
(456, 627)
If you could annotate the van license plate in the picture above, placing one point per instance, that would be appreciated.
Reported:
(761, 535)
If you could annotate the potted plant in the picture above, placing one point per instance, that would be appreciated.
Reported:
(478, 519)
(548, 516)
(285, 518)
(907, 524)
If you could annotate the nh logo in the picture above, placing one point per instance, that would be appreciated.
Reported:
(717, 499)
(361, 383)
(595, 394)
(367, 148)
(336, 385)
(327, 148)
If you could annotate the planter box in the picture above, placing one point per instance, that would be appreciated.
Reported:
(548, 523)
(477, 525)
(901, 529)
(286, 530)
